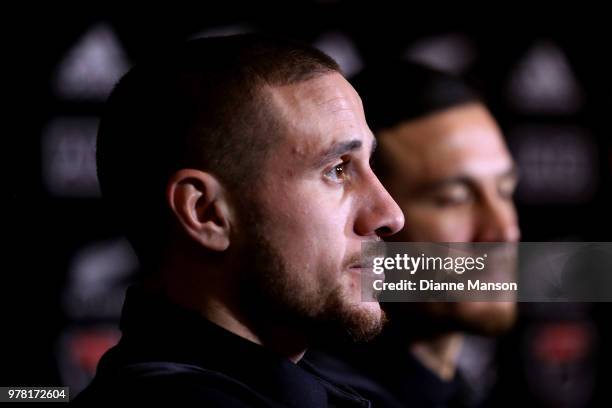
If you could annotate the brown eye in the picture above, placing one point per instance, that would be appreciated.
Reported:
(453, 197)
(337, 173)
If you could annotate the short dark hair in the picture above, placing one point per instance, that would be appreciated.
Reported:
(199, 104)
(397, 91)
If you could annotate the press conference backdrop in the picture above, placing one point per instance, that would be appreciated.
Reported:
(547, 83)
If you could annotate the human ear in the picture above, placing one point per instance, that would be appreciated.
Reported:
(200, 204)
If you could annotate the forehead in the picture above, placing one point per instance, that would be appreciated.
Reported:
(461, 140)
(319, 112)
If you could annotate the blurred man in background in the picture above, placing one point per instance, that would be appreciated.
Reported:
(443, 158)
(239, 169)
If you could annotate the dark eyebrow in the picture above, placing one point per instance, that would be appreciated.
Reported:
(337, 150)
(466, 180)
(440, 184)
(341, 148)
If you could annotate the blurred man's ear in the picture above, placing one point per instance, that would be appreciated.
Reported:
(201, 206)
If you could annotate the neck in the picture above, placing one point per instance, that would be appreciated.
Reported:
(439, 354)
(217, 300)
(282, 340)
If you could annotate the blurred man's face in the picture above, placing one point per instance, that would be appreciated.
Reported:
(316, 202)
(454, 178)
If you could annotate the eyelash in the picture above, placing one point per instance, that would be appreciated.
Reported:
(335, 168)
(446, 202)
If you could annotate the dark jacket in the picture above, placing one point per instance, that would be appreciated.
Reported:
(169, 355)
(388, 376)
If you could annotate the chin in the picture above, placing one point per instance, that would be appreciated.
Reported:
(362, 320)
(486, 318)
(372, 309)
(424, 320)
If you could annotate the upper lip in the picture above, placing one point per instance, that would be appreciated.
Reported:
(364, 263)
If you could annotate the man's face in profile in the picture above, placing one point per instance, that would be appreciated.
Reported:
(317, 200)
(454, 178)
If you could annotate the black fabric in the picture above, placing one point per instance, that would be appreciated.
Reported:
(388, 375)
(170, 355)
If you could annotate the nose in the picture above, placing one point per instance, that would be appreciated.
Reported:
(498, 222)
(378, 213)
